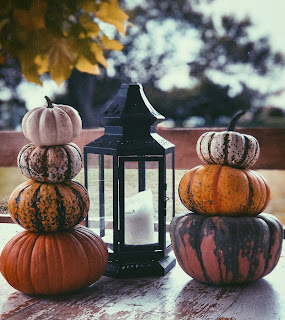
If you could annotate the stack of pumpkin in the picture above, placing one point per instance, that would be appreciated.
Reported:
(55, 254)
(225, 239)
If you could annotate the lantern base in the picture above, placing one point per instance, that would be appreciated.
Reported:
(136, 269)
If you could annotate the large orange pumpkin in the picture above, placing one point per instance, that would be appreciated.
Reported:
(48, 207)
(50, 163)
(226, 250)
(223, 190)
(53, 263)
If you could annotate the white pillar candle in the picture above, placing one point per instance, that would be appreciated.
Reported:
(139, 219)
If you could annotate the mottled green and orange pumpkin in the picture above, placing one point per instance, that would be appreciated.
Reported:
(226, 250)
(224, 190)
(50, 163)
(48, 207)
(53, 263)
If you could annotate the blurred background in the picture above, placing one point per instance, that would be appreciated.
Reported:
(199, 61)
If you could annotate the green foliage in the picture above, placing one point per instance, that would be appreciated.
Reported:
(57, 36)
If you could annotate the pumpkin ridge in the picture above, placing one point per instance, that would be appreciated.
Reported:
(214, 187)
(256, 151)
(274, 225)
(226, 150)
(200, 146)
(68, 172)
(12, 206)
(188, 191)
(259, 231)
(267, 193)
(81, 201)
(30, 237)
(34, 238)
(38, 221)
(45, 166)
(245, 151)
(61, 260)
(61, 209)
(198, 247)
(176, 235)
(84, 239)
(250, 194)
(209, 149)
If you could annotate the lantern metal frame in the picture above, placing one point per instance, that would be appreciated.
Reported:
(130, 136)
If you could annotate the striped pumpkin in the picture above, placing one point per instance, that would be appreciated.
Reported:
(53, 263)
(226, 250)
(223, 190)
(228, 147)
(51, 163)
(48, 207)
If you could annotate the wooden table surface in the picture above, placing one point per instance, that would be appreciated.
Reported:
(174, 296)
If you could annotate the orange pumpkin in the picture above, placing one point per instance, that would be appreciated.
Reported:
(223, 190)
(53, 263)
(48, 207)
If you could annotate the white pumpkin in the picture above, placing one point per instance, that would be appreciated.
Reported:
(52, 125)
(53, 164)
(228, 147)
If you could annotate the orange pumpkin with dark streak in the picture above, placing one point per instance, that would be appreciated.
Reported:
(223, 190)
(48, 207)
(53, 263)
(226, 250)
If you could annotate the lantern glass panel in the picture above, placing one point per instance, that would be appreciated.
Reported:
(170, 193)
(141, 202)
(100, 189)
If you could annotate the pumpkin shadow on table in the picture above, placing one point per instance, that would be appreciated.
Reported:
(198, 299)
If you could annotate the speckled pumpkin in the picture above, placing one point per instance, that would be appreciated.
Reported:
(51, 163)
(226, 250)
(53, 263)
(223, 190)
(52, 125)
(228, 147)
(48, 207)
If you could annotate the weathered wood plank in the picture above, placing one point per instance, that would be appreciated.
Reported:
(272, 143)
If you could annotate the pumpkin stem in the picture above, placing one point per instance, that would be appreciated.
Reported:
(232, 124)
(49, 102)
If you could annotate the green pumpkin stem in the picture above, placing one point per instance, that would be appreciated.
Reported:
(232, 125)
(49, 102)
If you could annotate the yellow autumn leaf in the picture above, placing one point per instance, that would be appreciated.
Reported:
(110, 12)
(84, 65)
(98, 51)
(111, 44)
(28, 67)
(91, 27)
(61, 57)
(41, 60)
(34, 18)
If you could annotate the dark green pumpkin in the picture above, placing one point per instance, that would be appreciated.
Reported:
(226, 250)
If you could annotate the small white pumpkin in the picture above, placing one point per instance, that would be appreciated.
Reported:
(228, 147)
(52, 125)
(53, 164)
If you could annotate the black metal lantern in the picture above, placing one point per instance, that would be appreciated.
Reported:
(129, 174)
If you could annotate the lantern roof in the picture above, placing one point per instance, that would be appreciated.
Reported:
(131, 107)
(129, 124)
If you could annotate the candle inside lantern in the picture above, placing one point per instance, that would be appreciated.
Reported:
(139, 219)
